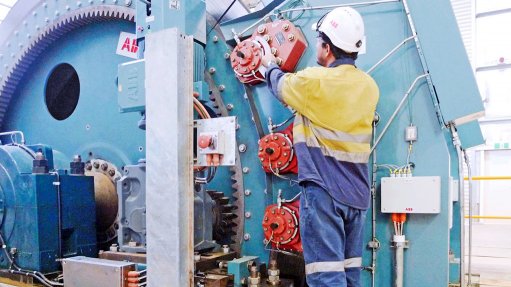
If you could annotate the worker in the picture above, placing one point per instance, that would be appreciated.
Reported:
(335, 106)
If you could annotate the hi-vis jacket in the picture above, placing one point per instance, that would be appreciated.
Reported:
(333, 126)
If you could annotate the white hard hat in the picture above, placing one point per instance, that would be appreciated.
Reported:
(345, 28)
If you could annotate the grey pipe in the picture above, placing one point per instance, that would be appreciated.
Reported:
(456, 142)
(399, 264)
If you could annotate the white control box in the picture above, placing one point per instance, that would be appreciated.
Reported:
(419, 194)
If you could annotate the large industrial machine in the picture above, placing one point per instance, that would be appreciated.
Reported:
(141, 147)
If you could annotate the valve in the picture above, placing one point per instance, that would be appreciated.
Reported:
(280, 38)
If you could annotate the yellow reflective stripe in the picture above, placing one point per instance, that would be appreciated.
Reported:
(327, 266)
(353, 262)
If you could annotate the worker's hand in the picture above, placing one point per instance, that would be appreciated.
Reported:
(267, 58)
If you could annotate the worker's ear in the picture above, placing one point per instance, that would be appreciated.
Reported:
(328, 49)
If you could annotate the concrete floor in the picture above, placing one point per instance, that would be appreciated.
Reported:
(491, 254)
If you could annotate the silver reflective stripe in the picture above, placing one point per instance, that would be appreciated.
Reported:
(353, 262)
(354, 157)
(334, 135)
(328, 266)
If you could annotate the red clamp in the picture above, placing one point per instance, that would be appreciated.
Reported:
(276, 152)
(281, 226)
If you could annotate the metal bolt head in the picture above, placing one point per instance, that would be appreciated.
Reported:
(104, 166)
(248, 214)
(215, 39)
(246, 170)
(88, 166)
(212, 70)
(291, 37)
(77, 158)
(246, 236)
(261, 29)
(248, 192)
(111, 172)
(221, 88)
(227, 56)
(229, 107)
(242, 147)
(127, 3)
(39, 155)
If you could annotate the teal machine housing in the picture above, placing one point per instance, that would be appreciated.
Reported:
(45, 216)
(444, 104)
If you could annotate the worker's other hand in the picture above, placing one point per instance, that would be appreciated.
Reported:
(267, 58)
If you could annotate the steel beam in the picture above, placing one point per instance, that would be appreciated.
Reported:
(169, 141)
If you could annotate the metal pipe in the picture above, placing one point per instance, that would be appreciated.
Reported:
(59, 212)
(399, 264)
(145, 2)
(457, 144)
(397, 110)
(311, 8)
(423, 62)
(14, 133)
(328, 7)
(390, 53)
(470, 219)
(373, 210)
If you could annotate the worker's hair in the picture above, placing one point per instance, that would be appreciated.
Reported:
(337, 52)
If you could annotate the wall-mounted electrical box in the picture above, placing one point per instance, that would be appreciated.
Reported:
(216, 136)
(420, 194)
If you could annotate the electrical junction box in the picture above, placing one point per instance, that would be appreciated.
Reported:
(216, 136)
(83, 271)
(419, 194)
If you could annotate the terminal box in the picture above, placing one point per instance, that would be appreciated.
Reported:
(419, 194)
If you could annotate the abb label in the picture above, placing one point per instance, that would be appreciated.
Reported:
(127, 45)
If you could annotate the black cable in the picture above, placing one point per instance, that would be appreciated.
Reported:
(221, 17)
(18, 270)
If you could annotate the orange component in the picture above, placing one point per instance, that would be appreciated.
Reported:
(398, 217)
(281, 38)
(276, 152)
(288, 41)
(133, 274)
(281, 226)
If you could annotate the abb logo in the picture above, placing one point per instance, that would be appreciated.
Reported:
(334, 24)
(130, 45)
(127, 45)
(409, 209)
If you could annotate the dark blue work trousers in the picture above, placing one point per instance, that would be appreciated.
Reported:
(332, 239)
